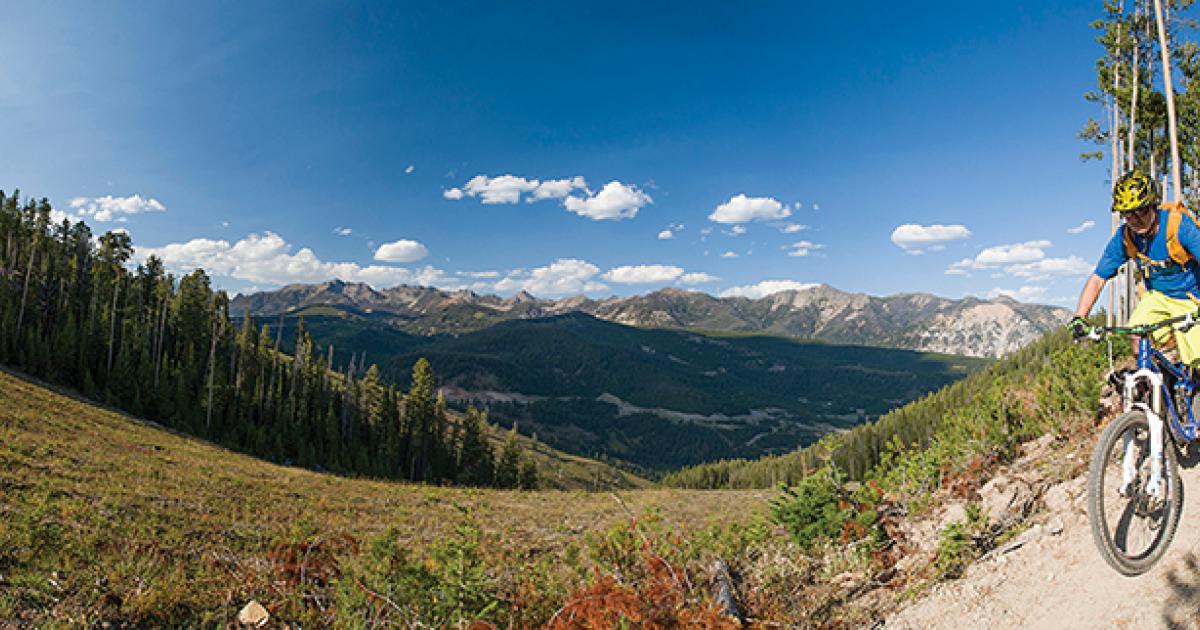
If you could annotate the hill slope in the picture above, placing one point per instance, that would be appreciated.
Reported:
(915, 321)
(108, 519)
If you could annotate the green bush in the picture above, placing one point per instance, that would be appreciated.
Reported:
(813, 509)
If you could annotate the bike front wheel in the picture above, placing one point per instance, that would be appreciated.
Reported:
(1132, 526)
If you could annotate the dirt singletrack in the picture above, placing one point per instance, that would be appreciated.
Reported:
(1059, 580)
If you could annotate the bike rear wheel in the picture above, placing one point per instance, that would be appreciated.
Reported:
(1131, 527)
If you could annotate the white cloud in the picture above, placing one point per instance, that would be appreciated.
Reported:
(765, 288)
(1028, 251)
(804, 248)
(792, 228)
(742, 209)
(557, 188)
(1082, 227)
(401, 251)
(643, 274)
(1026, 293)
(697, 277)
(563, 276)
(915, 239)
(992, 257)
(738, 230)
(614, 201)
(479, 274)
(266, 259)
(409, 170)
(109, 208)
(729, 254)
(666, 234)
(502, 189)
(1050, 268)
(343, 231)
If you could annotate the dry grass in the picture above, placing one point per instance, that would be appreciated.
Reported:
(105, 518)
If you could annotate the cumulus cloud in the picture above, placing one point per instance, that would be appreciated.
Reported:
(1082, 227)
(614, 201)
(729, 254)
(479, 274)
(697, 277)
(109, 208)
(643, 274)
(557, 188)
(666, 234)
(999, 255)
(266, 259)
(737, 230)
(1072, 266)
(803, 248)
(401, 251)
(765, 288)
(743, 209)
(915, 239)
(1028, 251)
(1026, 293)
(562, 277)
(502, 189)
(792, 228)
(343, 231)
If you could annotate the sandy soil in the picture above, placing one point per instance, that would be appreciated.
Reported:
(1057, 581)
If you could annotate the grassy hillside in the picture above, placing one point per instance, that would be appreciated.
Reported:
(690, 397)
(105, 518)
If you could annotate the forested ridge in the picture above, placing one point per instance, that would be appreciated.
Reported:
(995, 408)
(165, 348)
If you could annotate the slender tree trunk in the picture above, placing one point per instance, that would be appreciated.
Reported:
(25, 291)
(112, 323)
(212, 368)
(161, 341)
(1165, 50)
(1130, 146)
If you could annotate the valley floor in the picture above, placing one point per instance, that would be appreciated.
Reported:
(106, 518)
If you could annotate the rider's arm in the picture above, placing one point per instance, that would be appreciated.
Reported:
(1087, 298)
(1111, 260)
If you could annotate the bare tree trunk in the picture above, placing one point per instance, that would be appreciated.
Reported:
(1164, 49)
(161, 341)
(25, 291)
(1130, 146)
(112, 322)
(212, 368)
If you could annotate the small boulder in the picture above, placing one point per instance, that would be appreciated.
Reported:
(254, 615)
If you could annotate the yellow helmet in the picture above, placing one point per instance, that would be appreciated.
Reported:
(1134, 190)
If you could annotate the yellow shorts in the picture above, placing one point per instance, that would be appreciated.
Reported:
(1155, 307)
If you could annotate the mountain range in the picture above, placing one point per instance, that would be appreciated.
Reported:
(916, 321)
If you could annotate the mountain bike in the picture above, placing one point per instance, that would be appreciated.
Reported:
(1135, 495)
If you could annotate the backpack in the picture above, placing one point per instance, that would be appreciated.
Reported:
(1177, 252)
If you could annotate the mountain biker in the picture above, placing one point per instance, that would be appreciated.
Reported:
(1163, 239)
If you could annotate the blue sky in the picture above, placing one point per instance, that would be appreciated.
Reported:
(243, 136)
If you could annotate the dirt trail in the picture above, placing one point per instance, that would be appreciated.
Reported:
(1058, 581)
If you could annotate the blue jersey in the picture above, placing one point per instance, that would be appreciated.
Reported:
(1161, 272)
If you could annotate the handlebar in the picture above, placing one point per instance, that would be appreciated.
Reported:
(1182, 323)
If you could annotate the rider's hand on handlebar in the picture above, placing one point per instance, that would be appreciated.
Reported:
(1078, 327)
